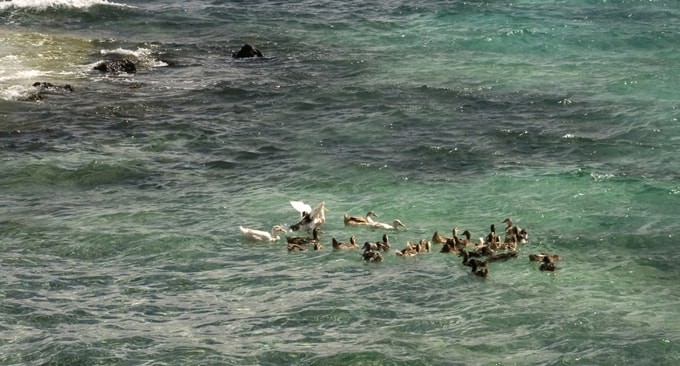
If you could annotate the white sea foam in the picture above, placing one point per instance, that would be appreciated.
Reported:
(44, 4)
(144, 56)
(16, 92)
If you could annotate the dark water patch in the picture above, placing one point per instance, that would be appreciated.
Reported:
(64, 352)
(64, 16)
(366, 357)
(91, 175)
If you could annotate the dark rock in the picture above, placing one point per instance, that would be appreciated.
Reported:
(117, 66)
(247, 51)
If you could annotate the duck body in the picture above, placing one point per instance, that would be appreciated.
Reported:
(541, 256)
(492, 239)
(409, 251)
(498, 257)
(467, 241)
(451, 246)
(309, 219)
(352, 244)
(371, 254)
(359, 220)
(441, 239)
(303, 240)
(438, 238)
(294, 247)
(520, 234)
(548, 265)
(384, 245)
(261, 235)
(479, 268)
(424, 246)
(396, 224)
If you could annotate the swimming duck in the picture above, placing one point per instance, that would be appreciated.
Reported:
(301, 207)
(370, 254)
(302, 240)
(502, 256)
(492, 237)
(451, 246)
(424, 246)
(510, 241)
(409, 251)
(310, 219)
(345, 245)
(359, 220)
(522, 236)
(261, 235)
(438, 238)
(508, 227)
(396, 224)
(294, 247)
(541, 257)
(467, 257)
(384, 245)
(479, 268)
(484, 250)
(467, 241)
(547, 265)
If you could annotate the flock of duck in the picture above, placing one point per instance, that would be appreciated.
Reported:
(476, 255)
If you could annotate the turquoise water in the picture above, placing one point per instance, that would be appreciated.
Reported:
(122, 200)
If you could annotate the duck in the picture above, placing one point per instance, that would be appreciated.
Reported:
(509, 226)
(261, 235)
(301, 207)
(451, 246)
(479, 268)
(441, 239)
(424, 246)
(468, 257)
(359, 220)
(409, 251)
(510, 241)
(303, 240)
(384, 245)
(522, 236)
(352, 244)
(492, 237)
(371, 254)
(547, 265)
(467, 241)
(502, 256)
(541, 257)
(396, 224)
(484, 250)
(295, 247)
(309, 219)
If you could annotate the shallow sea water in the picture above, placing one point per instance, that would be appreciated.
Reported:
(122, 199)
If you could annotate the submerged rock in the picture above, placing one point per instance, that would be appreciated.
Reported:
(117, 66)
(41, 88)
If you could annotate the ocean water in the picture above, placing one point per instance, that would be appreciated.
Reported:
(121, 200)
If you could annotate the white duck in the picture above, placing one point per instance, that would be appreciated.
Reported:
(310, 219)
(301, 207)
(261, 235)
(381, 225)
